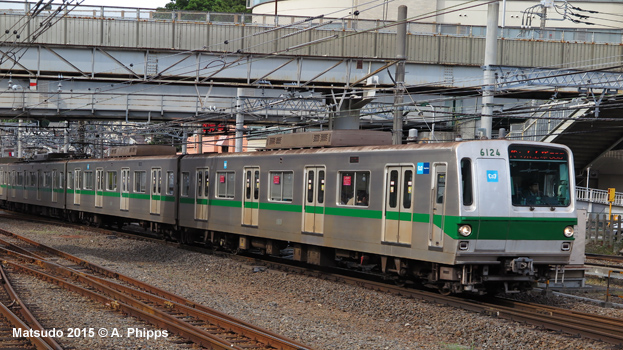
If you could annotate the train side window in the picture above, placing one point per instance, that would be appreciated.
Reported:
(281, 186)
(61, 177)
(140, 181)
(354, 187)
(226, 184)
(185, 183)
(88, 180)
(111, 180)
(170, 182)
(70, 179)
(466, 181)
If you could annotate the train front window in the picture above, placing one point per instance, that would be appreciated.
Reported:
(539, 176)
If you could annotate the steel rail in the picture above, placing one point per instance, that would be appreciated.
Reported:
(157, 295)
(28, 317)
(145, 313)
(17, 323)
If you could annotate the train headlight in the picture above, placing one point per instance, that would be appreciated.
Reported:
(465, 230)
(568, 232)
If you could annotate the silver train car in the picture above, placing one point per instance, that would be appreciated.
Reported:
(469, 216)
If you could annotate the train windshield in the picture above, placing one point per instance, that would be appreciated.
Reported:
(539, 176)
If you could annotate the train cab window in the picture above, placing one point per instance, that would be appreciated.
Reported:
(88, 180)
(170, 182)
(226, 184)
(185, 183)
(354, 188)
(466, 181)
(111, 180)
(140, 181)
(281, 186)
(539, 176)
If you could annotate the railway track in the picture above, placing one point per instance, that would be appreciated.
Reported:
(15, 317)
(201, 325)
(550, 318)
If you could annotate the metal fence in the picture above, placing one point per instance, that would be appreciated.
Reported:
(602, 229)
(603, 36)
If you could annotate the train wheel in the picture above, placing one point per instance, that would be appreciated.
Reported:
(445, 289)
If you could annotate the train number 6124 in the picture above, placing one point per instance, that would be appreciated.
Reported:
(489, 152)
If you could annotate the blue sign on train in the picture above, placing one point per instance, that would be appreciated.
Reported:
(492, 176)
(423, 168)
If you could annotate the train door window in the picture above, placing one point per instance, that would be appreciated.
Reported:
(70, 180)
(20, 178)
(111, 180)
(61, 178)
(321, 176)
(170, 182)
(354, 187)
(393, 194)
(441, 188)
(185, 184)
(407, 189)
(226, 184)
(140, 181)
(156, 180)
(256, 185)
(281, 186)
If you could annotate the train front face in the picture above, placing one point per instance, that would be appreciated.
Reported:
(517, 211)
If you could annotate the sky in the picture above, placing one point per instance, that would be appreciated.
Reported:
(126, 3)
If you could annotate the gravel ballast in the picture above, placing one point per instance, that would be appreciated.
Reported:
(319, 313)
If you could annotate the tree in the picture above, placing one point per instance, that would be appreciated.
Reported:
(234, 6)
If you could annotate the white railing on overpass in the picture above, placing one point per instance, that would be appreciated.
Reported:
(593, 195)
(614, 36)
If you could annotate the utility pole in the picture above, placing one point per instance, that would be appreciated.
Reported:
(491, 58)
(239, 121)
(401, 50)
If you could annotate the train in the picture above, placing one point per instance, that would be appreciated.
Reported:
(455, 216)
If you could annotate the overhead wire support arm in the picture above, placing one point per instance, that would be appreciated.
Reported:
(515, 77)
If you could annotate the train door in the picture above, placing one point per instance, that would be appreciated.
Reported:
(156, 190)
(398, 219)
(77, 188)
(202, 194)
(125, 189)
(251, 205)
(313, 211)
(39, 184)
(28, 184)
(2, 181)
(493, 198)
(437, 214)
(14, 183)
(54, 184)
(99, 187)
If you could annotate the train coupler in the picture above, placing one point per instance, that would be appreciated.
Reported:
(522, 266)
